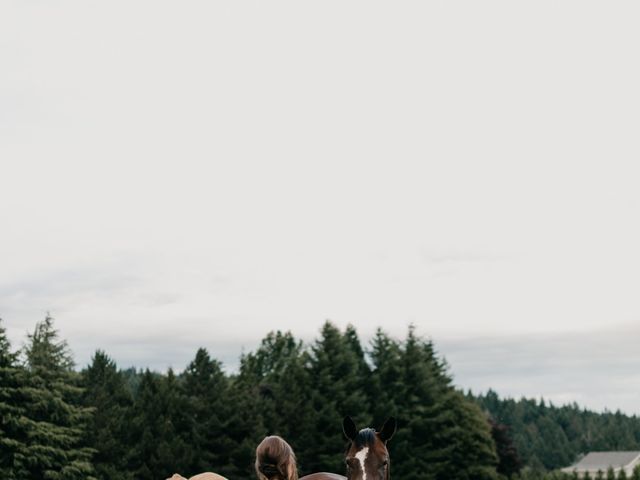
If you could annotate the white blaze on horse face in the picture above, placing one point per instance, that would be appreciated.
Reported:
(362, 456)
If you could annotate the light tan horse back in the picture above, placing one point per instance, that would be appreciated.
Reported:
(200, 476)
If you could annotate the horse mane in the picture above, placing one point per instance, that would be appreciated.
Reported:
(275, 460)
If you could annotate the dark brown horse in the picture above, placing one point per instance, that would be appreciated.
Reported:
(367, 457)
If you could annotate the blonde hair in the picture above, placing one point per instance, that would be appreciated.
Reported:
(207, 476)
(275, 460)
(200, 476)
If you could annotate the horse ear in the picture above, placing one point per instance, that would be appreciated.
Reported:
(349, 428)
(388, 429)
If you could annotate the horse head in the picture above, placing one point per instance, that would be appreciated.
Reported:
(367, 457)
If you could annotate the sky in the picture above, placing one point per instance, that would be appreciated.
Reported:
(185, 174)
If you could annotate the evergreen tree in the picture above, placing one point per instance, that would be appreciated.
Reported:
(586, 476)
(622, 474)
(385, 386)
(206, 390)
(635, 475)
(55, 421)
(244, 427)
(13, 436)
(529, 473)
(159, 428)
(611, 474)
(509, 463)
(353, 343)
(552, 443)
(447, 436)
(338, 391)
(474, 455)
(278, 368)
(106, 392)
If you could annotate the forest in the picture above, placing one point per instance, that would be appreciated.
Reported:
(58, 421)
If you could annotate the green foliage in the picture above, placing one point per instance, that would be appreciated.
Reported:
(279, 372)
(13, 435)
(159, 428)
(338, 390)
(509, 463)
(548, 437)
(205, 389)
(447, 436)
(386, 378)
(126, 424)
(106, 392)
(244, 427)
(54, 420)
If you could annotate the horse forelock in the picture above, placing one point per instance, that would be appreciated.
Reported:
(365, 438)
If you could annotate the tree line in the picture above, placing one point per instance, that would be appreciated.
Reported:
(106, 423)
(549, 437)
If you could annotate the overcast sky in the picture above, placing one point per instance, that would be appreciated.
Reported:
(178, 174)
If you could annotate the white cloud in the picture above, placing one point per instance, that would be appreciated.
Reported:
(207, 173)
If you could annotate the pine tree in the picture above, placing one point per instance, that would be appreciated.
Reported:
(446, 436)
(176, 450)
(551, 442)
(636, 473)
(13, 436)
(353, 343)
(418, 449)
(206, 390)
(244, 427)
(159, 428)
(586, 476)
(265, 371)
(278, 371)
(337, 391)
(474, 455)
(55, 421)
(622, 474)
(611, 474)
(509, 463)
(385, 385)
(147, 413)
(106, 392)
